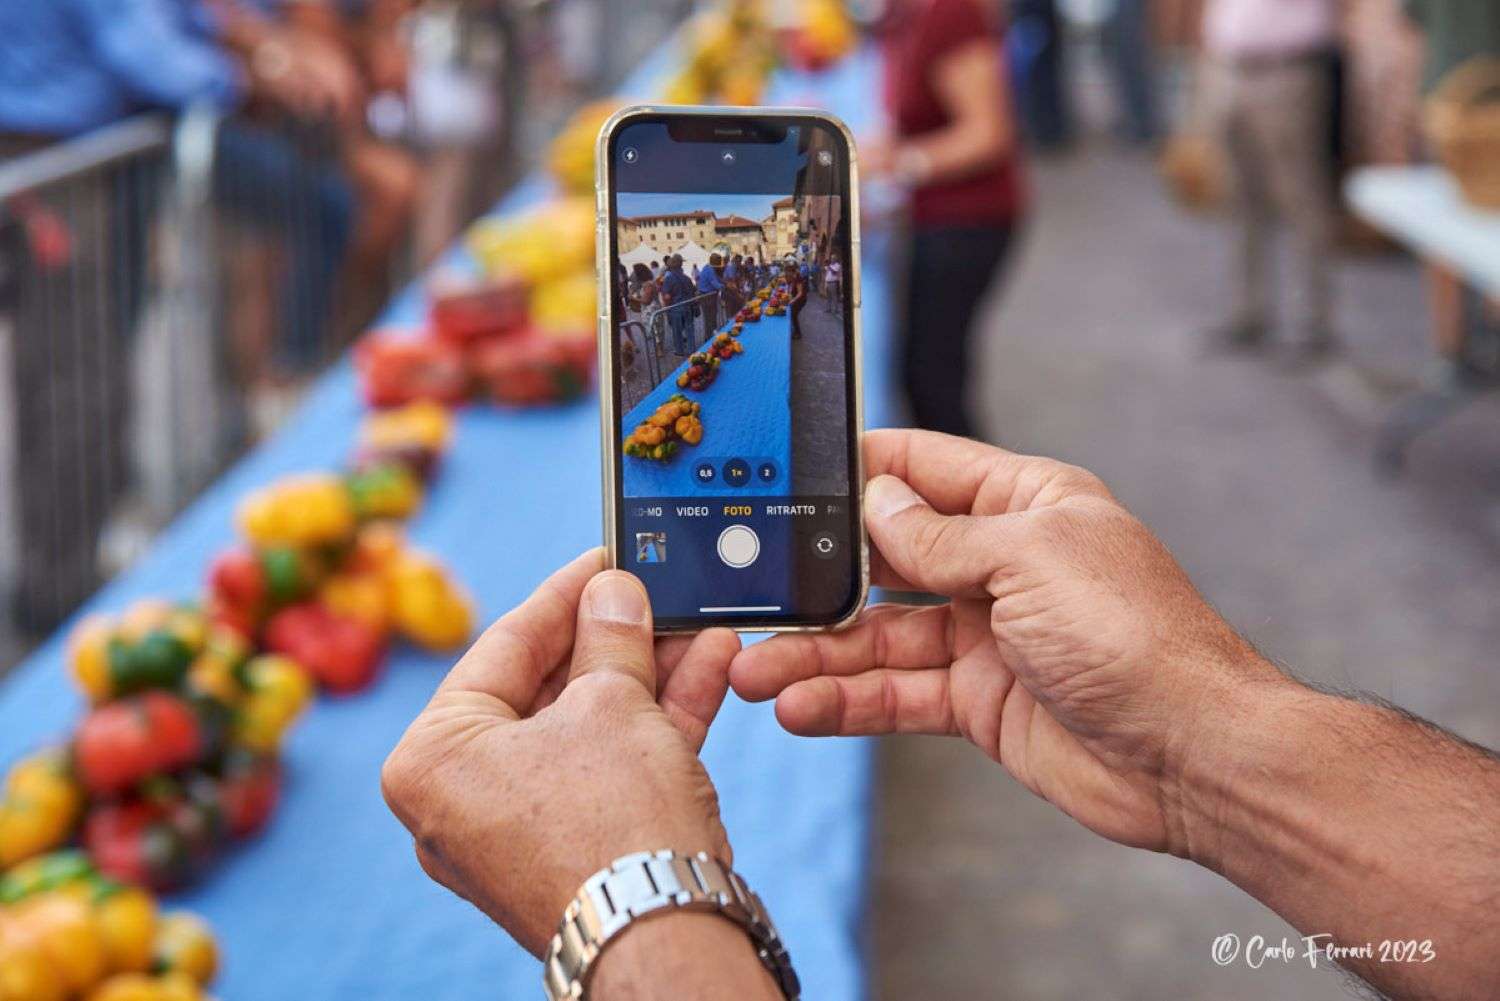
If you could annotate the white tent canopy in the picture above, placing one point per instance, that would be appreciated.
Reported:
(640, 255)
(690, 251)
(692, 254)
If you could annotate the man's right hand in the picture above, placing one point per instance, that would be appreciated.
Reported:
(1075, 651)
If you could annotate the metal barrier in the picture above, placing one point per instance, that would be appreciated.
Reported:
(106, 335)
(75, 240)
(655, 337)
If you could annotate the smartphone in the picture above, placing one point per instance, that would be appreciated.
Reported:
(729, 350)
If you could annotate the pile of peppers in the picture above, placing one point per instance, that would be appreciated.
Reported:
(189, 703)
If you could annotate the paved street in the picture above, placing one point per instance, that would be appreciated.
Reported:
(1261, 483)
(819, 462)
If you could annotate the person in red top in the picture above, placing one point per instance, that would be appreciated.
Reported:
(797, 289)
(954, 147)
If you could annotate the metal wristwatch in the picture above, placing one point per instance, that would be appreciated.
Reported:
(646, 883)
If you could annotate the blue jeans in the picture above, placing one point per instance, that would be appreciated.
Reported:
(680, 323)
(1035, 45)
(1127, 45)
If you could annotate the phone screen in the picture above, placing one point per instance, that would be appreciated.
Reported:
(734, 355)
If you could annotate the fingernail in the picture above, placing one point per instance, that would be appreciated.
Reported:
(887, 496)
(614, 598)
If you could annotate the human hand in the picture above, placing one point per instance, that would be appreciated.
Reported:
(1074, 651)
(560, 742)
(307, 77)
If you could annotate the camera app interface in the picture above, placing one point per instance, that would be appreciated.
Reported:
(732, 347)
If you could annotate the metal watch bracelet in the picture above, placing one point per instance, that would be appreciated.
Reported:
(646, 883)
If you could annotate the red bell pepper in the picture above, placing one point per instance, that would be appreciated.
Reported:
(120, 743)
(245, 584)
(341, 652)
(160, 839)
(249, 791)
(465, 310)
(396, 370)
(535, 368)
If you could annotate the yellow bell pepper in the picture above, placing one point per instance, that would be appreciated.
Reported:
(214, 672)
(553, 240)
(139, 987)
(185, 945)
(361, 596)
(384, 491)
(311, 510)
(42, 804)
(67, 933)
(88, 650)
(571, 155)
(427, 607)
(424, 424)
(376, 548)
(279, 690)
(26, 974)
(128, 926)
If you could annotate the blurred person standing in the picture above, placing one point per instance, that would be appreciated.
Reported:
(731, 297)
(1038, 48)
(1128, 48)
(367, 36)
(1273, 101)
(676, 291)
(954, 149)
(642, 288)
(832, 285)
(710, 281)
(796, 286)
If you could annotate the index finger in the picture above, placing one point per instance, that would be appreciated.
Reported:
(962, 476)
(512, 657)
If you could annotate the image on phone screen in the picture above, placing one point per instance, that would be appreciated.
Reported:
(734, 395)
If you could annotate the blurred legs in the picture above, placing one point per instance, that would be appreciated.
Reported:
(948, 273)
(1275, 127)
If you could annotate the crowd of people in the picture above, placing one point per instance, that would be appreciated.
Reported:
(319, 201)
(296, 156)
(692, 301)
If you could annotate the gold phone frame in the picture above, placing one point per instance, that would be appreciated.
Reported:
(607, 415)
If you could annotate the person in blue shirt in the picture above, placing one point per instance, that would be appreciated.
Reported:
(736, 272)
(710, 280)
(676, 293)
(68, 66)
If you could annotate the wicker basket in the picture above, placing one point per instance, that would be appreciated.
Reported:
(1462, 120)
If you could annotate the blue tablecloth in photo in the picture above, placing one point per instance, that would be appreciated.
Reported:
(329, 902)
(746, 415)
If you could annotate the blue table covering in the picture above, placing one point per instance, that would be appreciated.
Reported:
(746, 415)
(329, 902)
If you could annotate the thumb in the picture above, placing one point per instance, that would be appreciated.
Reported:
(950, 555)
(614, 630)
